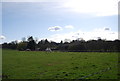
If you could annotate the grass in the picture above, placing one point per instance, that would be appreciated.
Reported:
(58, 65)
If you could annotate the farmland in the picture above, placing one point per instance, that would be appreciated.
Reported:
(59, 65)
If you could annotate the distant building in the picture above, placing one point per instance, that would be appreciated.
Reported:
(48, 50)
(28, 50)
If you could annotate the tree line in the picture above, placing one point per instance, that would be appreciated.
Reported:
(99, 45)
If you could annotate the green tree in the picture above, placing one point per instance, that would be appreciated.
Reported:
(22, 46)
(76, 47)
(31, 43)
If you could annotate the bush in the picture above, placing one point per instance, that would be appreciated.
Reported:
(22, 46)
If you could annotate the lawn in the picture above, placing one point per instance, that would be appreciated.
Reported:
(59, 65)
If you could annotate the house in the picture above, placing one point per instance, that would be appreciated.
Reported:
(48, 50)
(28, 50)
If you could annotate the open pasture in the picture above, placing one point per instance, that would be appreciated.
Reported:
(59, 65)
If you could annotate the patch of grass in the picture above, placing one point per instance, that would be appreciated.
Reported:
(58, 65)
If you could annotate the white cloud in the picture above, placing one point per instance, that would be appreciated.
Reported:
(94, 7)
(2, 37)
(55, 28)
(69, 27)
(59, 37)
(86, 35)
(18, 41)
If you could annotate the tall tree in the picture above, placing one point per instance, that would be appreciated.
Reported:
(31, 43)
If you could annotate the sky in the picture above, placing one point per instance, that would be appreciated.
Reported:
(59, 20)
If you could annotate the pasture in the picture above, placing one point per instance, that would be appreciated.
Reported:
(59, 65)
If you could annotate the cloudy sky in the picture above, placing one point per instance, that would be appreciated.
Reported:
(59, 20)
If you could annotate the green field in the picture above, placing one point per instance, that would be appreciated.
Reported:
(59, 65)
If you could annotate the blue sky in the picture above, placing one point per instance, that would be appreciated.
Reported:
(59, 20)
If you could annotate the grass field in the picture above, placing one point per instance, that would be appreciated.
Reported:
(59, 65)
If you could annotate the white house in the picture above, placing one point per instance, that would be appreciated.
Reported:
(48, 50)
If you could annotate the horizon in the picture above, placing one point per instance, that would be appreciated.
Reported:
(66, 40)
(59, 20)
